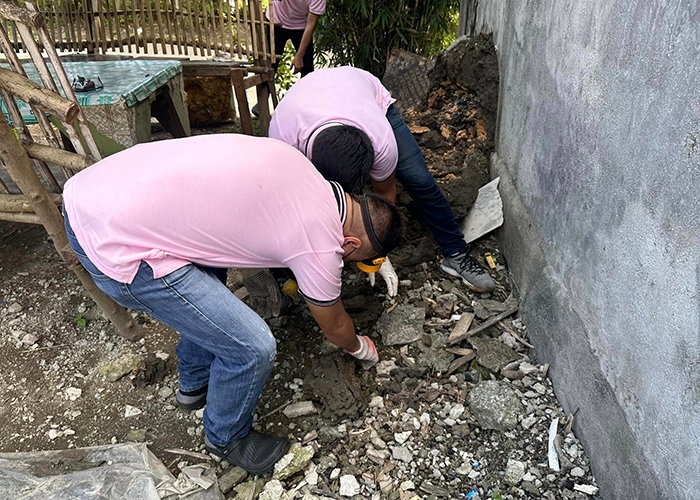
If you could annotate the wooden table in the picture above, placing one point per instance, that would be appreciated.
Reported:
(134, 90)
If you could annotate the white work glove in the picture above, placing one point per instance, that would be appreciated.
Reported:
(392, 280)
(367, 353)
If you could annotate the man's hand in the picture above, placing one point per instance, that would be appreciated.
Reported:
(392, 280)
(297, 63)
(367, 353)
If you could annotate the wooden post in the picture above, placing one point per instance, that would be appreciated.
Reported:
(19, 167)
(263, 91)
(242, 99)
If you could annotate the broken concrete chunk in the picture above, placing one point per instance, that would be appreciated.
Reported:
(248, 490)
(131, 411)
(401, 326)
(301, 409)
(444, 304)
(486, 214)
(273, 490)
(29, 339)
(401, 453)
(15, 308)
(495, 405)
(136, 436)
(118, 368)
(349, 487)
(296, 459)
(73, 393)
(586, 488)
(515, 470)
(231, 479)
(492, 353)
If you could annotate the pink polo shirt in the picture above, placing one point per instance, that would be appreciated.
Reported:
(343, 95)
(293, 14)
(223, 200)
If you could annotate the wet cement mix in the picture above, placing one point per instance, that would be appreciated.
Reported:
(433, 419)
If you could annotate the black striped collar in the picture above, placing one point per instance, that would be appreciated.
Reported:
(339, 194)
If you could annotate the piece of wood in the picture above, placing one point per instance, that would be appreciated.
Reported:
(273, 54)
(18, 166)
(18, 203)
(262, 38)
(460, 351)
(462, 326)
(25, 218)
(253, 81)
(193, 454)
(3, 188)
(143, 37)
(193, 40)
(482, 327)
(102, 24)
(264, 116)
(169, 15)
(244, 6)
(200, 36)
(110, 18)
(209, 68)
(242, 99)
(135, 20)
(69, 16)
(17, 14)
(238, 29)
(214, 28)
(151, 27)
(459, 362)
(159, 20)
(72, 161)
(179, 42)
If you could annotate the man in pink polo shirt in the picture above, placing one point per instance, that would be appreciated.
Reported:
(344, 121)
(151, 223)
(296, 20)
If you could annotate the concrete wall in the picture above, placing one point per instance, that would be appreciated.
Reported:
(599, 151)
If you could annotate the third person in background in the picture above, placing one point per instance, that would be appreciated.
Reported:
(296, 20)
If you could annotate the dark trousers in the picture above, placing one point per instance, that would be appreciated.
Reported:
(281, 37)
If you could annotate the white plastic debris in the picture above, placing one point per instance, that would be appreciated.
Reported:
(552, 451)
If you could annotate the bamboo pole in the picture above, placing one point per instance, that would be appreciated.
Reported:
(31, 93)
(59, 24)
(83, 18)
(18, 166)
(26, 218)
(69, 15)
(261, 32)
(102, 25)
(200, 36)
(212, 15)
(3, 187)
(110, 18)
(174, 32)
(159, 18)
(18, 203)
(151, 26)
(233, 49)
(222, 22)
(71, 161)
(125, 11)
(118, 24)
(135, 20)
(143, 39)
(205, 24)
(193, 40)
(273, 52)
(248, 44)
(238, 29)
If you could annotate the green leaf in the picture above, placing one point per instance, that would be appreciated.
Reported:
(80, 320)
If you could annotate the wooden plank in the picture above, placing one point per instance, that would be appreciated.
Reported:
(159, 18)
(193, 40)
(244, 5)
(209, 68)
(169, 23)
(482, 327)
(264, 117)
(238, 31)
(218, 22)
(89, 38)
(253, 81)
(69, 15)
(117, 24)
(135, 22)
(143, 37)
(200, 35)
(253, 34)
(462, 325)
(125, 11)
(151, 27)
(102, 25)
(109, 25)
(273, 57)
(262, 40)
(58, 24)
(17, 203)
(177, 28)
(205, 26)
(242, 99)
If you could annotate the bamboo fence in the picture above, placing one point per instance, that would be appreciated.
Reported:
(236, 28)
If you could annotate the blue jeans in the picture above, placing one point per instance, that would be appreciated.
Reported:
(413, 174)
(223, 342)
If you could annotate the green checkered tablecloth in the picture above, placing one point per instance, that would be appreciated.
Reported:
(129, 80)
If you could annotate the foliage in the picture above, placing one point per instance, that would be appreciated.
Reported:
(284, 78)
(362, 32)
(80, 320)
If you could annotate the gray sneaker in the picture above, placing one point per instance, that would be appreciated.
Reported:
(473, 275)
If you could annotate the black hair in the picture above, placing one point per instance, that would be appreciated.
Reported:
(344, 154)
(386, 221)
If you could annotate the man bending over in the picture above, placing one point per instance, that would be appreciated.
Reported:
(345, 122)
(152, 223)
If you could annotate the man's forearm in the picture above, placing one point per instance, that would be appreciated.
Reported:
(308, 34)
(343, 334)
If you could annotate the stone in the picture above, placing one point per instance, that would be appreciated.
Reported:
(165, 392)
(494, 305)
(456, 411)
(492, 353)
(29, 339)
(209, 100)
(312, 478)
(531, 488)
(385, 367)
(231, 478)
(515, 470)
(349, 487)
(376, 402)
(407, 486)
(401, 453)
(296, 459)
(300, 409)
(402, 437)
(577, 472)
(118, 368)
(432, 139)
(528, 422)
(136, 436)
(495, 405)
(248, 490)
(464, 469)
(73, 393)
(273, 490)
(527, 368)
(53, 434)
(15, 308)
(444, 305)
(401, 326)
(541, 389)
(131, 411)
(586, 488)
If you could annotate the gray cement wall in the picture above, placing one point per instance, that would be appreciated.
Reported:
(598, 147)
